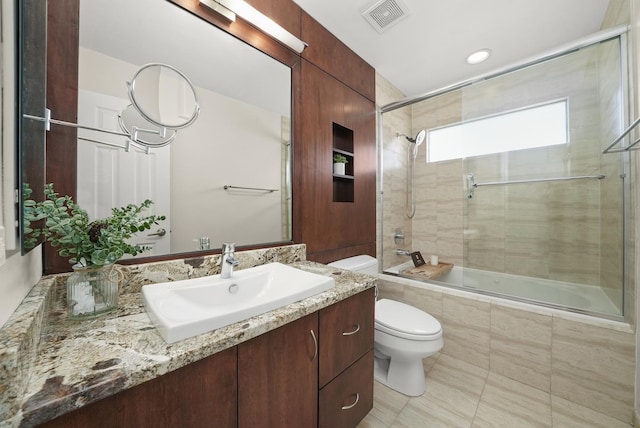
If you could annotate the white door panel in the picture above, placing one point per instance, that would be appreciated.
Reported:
(110, 177)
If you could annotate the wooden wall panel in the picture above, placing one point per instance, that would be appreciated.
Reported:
(331, 55)
(285, 13)
(320, 223)
(62, 98)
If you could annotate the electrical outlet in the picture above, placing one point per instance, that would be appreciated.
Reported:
(3, 258)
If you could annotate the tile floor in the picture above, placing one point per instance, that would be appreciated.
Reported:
(462, 395)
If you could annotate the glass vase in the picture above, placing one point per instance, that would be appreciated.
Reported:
(92, 291)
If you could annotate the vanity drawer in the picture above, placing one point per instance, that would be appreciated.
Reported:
(346, 333)
(349, 397)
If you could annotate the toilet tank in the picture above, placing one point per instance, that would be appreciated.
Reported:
(361, 264)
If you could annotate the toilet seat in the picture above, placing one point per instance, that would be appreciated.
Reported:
(405, 321)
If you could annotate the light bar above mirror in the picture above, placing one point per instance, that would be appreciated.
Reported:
(230, 8)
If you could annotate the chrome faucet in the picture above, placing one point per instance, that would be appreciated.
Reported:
(403, 252)
(228, 261)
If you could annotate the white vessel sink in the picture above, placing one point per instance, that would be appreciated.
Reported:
(182, 309)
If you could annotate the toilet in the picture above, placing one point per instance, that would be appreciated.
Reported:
(404, 335)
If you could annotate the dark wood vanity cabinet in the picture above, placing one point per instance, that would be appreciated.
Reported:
(278, 377)
(349, 397)
(201, 394)
(280, 372)
(346, 334)
(346, 361)
(315, 371)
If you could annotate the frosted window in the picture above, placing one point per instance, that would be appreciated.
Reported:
(538, 126)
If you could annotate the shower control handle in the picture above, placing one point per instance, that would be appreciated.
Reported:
(398, 237)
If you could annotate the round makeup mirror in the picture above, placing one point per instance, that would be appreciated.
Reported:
(144, 131)
(164, 96)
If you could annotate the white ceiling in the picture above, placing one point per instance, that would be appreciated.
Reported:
(428, 49)
(424, 52)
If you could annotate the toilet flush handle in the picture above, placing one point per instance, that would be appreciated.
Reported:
(349, 333)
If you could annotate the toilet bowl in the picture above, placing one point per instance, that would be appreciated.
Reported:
(403, 336)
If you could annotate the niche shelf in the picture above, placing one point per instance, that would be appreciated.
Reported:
(343, 185)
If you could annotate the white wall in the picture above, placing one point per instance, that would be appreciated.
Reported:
(222, 149)
(219, 148)
(103, 74)
(17, 274)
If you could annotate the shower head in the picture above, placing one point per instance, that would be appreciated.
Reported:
(419, 137)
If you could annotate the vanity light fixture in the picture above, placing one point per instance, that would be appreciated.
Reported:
(479, 56)
(256, 18)
(217, 7)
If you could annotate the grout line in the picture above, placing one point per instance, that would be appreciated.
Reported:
(481, 394)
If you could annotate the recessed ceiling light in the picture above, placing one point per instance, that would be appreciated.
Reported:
(479, 56)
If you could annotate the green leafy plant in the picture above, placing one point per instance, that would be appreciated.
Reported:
(338, 158)
(90, 244)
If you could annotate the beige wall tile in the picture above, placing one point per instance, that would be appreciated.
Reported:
(390, 290)
(521, 346)
(466, 328)
(594, 367)
(617, 13)
(386, 93)
(427, 300)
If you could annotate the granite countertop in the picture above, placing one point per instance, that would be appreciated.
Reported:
(76, 363)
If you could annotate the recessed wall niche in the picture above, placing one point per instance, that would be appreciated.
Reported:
(343, 184)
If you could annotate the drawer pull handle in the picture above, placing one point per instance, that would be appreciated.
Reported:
(349, 333)
(351, 406)
(315, 344)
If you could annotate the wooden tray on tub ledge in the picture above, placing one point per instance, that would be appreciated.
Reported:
(428, 271)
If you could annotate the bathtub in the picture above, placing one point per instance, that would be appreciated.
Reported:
(585, 299)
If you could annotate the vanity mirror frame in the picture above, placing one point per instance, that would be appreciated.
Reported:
(31, 89)
(63, 40)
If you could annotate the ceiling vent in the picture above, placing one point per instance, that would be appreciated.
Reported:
(384, 14)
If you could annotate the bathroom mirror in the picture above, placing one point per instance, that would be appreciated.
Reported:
(226, 177)
(241, 137)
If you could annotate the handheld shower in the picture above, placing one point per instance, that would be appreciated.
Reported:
(412, 154)
(419, 139)
(420, 136)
